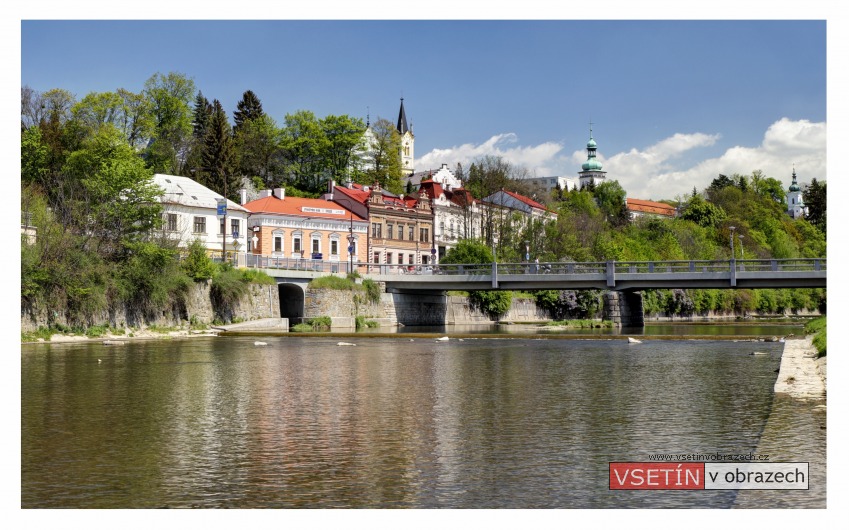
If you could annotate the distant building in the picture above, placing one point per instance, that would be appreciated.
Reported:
(551, 183)
(363, 156)
(640, 208)
(442, 176)
(456, 214)
(190, 212)
(591, 169)
(795, 203)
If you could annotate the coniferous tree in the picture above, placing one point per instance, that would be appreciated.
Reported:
(248, 108)
(201, 117)
(218, 155)
(814, 196)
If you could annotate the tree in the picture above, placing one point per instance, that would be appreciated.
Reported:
(611, 201)
(218, 155)
(468, 251)
(117, 202)
(97, 109)
(134, 118)
(247, 109)
(33, 157)
(304, 143)
(343, 135)
(722, 181)
(814, 196)
(493, 303)
(703, 213)
(170, 98)
(385, 157)
(257, 145)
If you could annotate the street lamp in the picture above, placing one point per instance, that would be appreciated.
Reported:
(732, 240)
(351, 239)
(742, 255)
(527, 251)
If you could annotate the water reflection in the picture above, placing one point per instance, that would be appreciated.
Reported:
(390, 422)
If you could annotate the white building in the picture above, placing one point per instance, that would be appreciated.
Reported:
(551, 183)
(456, 214)
(190, 212)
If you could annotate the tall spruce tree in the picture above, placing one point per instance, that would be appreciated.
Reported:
(248, 108)
(219, 156)
(201, 116)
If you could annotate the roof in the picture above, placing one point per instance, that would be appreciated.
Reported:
(657, 208)
(302, 207)
(521, 198)
(187, 192)
(402, 120)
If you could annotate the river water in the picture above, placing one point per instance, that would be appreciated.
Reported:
(389, 422)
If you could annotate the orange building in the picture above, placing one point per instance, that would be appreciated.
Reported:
(293, 229)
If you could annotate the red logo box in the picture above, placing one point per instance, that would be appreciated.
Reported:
(657, 476)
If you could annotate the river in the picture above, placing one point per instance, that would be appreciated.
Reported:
(389, 422)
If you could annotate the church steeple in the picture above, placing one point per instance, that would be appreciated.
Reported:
(795, 201)
(402, 120)
(591, 169)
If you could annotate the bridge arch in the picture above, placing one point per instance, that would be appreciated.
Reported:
(291, 297)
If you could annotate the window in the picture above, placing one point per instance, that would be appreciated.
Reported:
(278, 243)
(388, 257)
(452, 228)
(424, 236)
(400, 231)
(376, 229)
(221, 226)
(400, 258)
(411, 232)
(389, 231)
(296, 244)
(442, 228)
(234, 227)
(200, 225)
(411, 261)
(316, 245)
(334, 247)
(171, 222)
(376, 257)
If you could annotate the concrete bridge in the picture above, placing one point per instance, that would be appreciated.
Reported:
(622, 279)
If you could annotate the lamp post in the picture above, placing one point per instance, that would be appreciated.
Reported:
(742, 255)
(351, 239)
(732, 240)
(527, 251)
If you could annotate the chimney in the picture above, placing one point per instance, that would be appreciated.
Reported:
(264, 193)
(330, 185)
(243, 195)
(280, 193)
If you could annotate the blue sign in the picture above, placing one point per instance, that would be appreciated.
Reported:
(235, 234)
(222, 207)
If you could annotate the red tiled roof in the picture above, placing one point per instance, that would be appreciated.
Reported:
(530, 202)
(658, 208)
(300, 206)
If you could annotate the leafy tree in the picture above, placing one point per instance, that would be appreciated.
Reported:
(343, 135)
(468, 251)
(218, 155)
(134, 118)
(703, 213)
(385, 157)
(257, 145)
(33, 156)
(722, 181)
(170, 99)
(97, 109)
(814, 196)
(304, 144)
(611, 201)
(197, 263)
(247, 109)
(117, 201)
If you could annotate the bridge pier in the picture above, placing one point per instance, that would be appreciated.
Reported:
(624, 308)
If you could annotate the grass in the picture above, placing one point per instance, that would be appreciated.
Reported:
(313, 324)
(817, 328)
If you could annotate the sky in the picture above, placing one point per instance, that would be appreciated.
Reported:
(672, 103)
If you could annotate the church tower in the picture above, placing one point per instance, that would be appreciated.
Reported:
(795, 204)
(591, 169)
(408, 141)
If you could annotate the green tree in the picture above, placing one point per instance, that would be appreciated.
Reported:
(197, 264)
(117, 202)
(343, 135)
(134, 118)
(611, 201)
(467, 251)
(97, 109)
(218, 155)
(257, 145)
(248, 108)
(304, 144)
(170, 98)
(703, 213)
(33, 157)
(814, 196)
(385, 157)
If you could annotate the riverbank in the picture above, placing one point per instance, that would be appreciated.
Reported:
(130, 335)
(802, 375)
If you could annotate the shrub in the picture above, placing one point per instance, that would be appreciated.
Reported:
(332, 282)
(313, 324)
(197, 264)
(492, 303)
(228, 287)
(372, 290)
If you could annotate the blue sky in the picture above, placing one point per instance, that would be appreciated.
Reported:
(673, 102)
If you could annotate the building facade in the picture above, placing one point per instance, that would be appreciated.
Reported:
(190, 212)
(296, 228)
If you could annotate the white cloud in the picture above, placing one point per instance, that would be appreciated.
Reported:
(666, 169)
